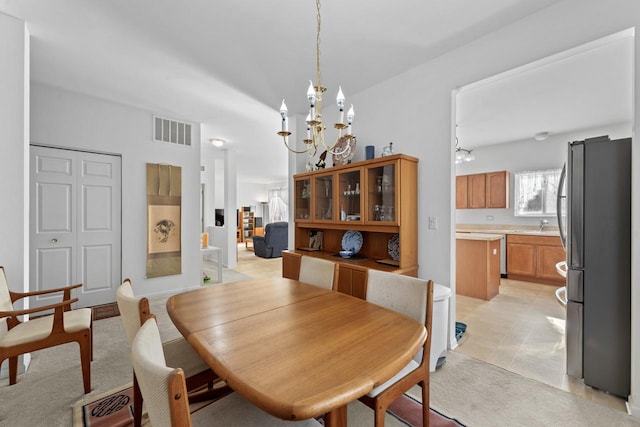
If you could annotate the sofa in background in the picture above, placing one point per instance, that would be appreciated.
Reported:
(274, 241)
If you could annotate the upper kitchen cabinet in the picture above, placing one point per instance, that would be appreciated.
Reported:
(483, 190)
(497, 189)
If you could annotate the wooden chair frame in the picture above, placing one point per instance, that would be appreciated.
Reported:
(58, 335)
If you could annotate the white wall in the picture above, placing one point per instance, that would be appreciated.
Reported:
(14, 149)
(417, 109)
(520, 156)
(61, 118)
(14, 162)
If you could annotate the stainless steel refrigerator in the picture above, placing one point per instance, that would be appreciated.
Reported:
(598, 244)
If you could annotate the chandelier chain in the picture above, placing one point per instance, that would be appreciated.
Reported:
(319, 23)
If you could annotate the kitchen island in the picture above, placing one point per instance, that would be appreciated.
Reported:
(478, 264)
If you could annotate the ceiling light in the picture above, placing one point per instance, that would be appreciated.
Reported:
(463, 155)
(541, 136)
(217, 142)
(345, 144)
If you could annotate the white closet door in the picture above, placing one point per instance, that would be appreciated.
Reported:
(75, 224)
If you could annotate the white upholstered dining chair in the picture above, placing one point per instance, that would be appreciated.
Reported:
(164, 391)
(317, 271)
(412, 297)
(178, 353)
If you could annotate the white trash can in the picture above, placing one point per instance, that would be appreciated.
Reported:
(439, 324)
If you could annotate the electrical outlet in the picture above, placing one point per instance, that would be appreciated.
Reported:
(433, 223)
(489, 217)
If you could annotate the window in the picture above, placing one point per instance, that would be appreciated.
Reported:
(535, 192)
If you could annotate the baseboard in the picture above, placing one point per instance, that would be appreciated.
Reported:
(633, 409)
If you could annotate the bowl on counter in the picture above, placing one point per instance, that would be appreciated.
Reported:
(346, 254)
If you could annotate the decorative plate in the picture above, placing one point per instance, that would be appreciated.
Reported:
(352, 241)
(394, 247)
(346, 147)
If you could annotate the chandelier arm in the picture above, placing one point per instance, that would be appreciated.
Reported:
(286, 144)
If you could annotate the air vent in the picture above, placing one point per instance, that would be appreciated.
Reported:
(171, 131)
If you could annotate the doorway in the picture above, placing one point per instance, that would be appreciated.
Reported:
(518, 122)
(75, 224)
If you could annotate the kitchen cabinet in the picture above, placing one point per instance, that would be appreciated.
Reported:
(378, 198)
(476, 190)
(497, 190)
(483, 190)
(533, 258)
(478, 265)
(462, 183)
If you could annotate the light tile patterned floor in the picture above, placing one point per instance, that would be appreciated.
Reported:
(522, 330)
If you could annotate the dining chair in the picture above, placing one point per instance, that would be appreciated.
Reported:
(412, 297)
(134, 312)
(165, 392)
(317, 271)
(63, 326)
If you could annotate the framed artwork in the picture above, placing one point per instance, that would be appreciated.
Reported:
(164, 222)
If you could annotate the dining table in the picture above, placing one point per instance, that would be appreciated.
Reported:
(295, 350)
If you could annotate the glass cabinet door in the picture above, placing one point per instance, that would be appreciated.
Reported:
(381, 193)
(350, 201)
(323, 198)
(303, 199)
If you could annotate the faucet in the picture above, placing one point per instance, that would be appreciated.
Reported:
(543, 222)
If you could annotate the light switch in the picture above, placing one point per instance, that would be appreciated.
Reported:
(433, 223)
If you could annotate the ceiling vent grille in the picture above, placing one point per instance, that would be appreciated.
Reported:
(171, 131)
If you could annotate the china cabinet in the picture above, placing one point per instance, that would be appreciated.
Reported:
(377, 198)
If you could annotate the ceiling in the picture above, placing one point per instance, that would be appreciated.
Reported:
(589, 86)
(228, 64)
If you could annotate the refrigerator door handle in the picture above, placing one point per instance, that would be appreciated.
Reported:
(559, 197)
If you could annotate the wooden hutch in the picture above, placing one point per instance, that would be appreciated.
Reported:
(377, 197)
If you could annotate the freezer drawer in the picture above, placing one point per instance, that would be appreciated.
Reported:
(574, 337)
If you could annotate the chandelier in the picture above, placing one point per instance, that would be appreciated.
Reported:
(463, 155)
(344, 144)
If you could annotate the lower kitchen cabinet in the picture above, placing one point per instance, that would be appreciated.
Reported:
(534, 258)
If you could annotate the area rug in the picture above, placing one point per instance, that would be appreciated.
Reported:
(115, 409)
(409, 411)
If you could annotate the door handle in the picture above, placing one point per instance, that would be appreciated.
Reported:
(54, 240)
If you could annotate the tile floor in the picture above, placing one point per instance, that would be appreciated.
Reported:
(522, 330)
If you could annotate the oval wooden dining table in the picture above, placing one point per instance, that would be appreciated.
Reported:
(295, 350)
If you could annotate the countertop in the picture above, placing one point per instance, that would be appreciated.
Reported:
(479, 236)
(501, 229)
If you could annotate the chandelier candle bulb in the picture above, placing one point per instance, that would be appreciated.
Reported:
(340, 103)
(311, 96)
(350, 115)
(285, 120)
